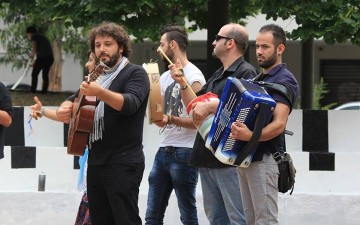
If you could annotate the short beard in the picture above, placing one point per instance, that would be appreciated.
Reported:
(113, 60)
(170, 55)
(268, 63)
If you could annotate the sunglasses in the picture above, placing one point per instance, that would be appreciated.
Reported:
(218, 37)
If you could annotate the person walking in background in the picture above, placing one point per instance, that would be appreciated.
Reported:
(219, 182)
(6, 115)
(170, 170)
(259, 182)
(42, 52)
(37, 111)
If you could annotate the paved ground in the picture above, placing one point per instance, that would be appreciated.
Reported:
(60, 209)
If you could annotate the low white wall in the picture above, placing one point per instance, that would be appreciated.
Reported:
(320, 197)
(343, 129)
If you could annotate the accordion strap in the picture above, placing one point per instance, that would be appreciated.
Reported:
(280, 89)
(254, 140)
(271, 88)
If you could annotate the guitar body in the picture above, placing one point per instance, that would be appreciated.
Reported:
(81, 124)
(82, 117)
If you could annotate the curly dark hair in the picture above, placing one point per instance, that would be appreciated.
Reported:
(113, 30)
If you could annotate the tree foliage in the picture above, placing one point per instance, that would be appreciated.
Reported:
(67, 21)
(335, 21)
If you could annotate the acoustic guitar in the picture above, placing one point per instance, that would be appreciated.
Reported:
(82, 119)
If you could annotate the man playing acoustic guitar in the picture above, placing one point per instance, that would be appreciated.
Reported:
(116, 159)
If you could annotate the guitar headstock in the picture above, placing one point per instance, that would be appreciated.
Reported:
(99, 69)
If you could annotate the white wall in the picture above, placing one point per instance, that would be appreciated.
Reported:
(320, 197)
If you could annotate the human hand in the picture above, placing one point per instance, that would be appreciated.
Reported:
(36, 109)
(64, 111)
(240, 131)
(200, 111)
(163, 122)
(90, 89)
(177, 72)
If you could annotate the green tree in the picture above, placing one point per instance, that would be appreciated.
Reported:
(320, 90)
(17, 15)
(66, 22)
(334, 21)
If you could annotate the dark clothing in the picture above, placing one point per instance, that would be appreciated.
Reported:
(123, 134)
(201, 156)
(5, 105)
(43, 46)
(43, 64)
(116, 162)
(280, 75)
(83, 216)
(113, 191)
(44, 60)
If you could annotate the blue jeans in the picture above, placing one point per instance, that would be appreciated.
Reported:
(221, 194)
(171, 171)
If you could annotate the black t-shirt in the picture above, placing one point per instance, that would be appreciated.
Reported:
(43, 47)
(201, 156)
(5, 105)
(123, 134)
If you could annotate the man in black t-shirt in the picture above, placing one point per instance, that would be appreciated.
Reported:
(6, 115)
(41, 48)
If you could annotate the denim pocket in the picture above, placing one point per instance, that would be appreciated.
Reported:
(182, 154)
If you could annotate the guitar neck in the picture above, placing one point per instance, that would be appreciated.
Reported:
(81, 96)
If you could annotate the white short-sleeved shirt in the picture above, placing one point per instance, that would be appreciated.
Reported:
(173, 105)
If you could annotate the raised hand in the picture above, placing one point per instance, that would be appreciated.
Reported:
(177, 72)
(36, 109)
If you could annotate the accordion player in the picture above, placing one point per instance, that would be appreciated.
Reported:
(250, 104)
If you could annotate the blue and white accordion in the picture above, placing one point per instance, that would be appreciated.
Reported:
(241, 100)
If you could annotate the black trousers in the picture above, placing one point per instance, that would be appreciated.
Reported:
(113, 193)
(43, 64)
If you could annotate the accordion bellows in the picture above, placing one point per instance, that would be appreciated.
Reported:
(206, 125)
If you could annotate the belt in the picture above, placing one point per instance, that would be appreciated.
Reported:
(169, 149)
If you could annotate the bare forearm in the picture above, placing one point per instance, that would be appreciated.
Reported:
(183, 122)
(5, 119)
(278, 125)
(188, 94)
(50, 114)
(271, 131)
